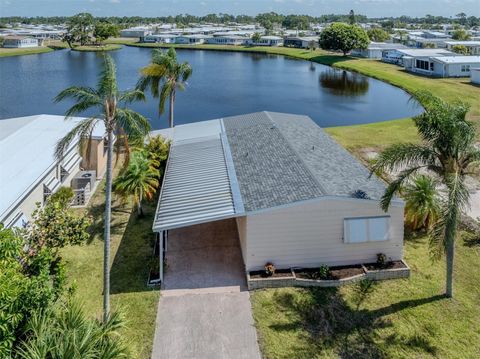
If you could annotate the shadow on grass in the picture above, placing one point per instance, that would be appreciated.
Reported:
(333, 325)
(131, 264)
(331, 59)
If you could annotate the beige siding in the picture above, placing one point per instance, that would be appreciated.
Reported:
(242, 235)
(97, 160)
(311, 234)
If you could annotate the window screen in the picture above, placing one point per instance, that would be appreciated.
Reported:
(366, 229)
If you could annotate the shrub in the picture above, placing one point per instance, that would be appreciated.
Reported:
(63, 197)
(382, 260)
(323, 271)
(269, 269)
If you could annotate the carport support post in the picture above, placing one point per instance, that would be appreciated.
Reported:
(161, 255)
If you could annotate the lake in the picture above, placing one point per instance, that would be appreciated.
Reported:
(222, 84)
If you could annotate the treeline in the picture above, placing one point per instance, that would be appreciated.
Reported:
(268, 20)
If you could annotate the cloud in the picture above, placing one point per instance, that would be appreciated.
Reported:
(115, 1)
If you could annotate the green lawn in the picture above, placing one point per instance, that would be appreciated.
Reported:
(97, 48)
(405, 318)
(131, 251)
(5, 52)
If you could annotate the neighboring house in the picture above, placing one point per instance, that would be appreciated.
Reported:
(135, 32)
(233, 40)
(298, 197)
(160, 38)
(21, 42)
(30, 172)
(475, 76)
(266, 41)
(420, 61)
(376, 49)
(454, 66)
(304, 42)
(192, 39)
(473, 47)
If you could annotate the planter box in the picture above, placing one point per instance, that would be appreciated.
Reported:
(382, 274)
(294, 281)
(304, 282)
(270, 282)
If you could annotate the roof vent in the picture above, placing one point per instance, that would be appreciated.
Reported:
(313, 148)
(360, 194)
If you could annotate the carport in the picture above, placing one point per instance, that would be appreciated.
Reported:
(199, 187)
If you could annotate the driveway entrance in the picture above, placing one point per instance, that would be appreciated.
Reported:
(204, 309)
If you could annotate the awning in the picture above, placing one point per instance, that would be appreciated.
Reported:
(70, 161)
(52, 184)
(18, 221)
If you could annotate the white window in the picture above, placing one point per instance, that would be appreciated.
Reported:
(366, 229)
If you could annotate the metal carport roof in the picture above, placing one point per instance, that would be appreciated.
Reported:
(197, 186)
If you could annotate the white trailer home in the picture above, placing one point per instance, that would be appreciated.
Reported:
(298, 198)
(29, 171)
(21, 42)
(454, 66)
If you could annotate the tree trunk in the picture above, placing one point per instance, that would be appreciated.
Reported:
(172, 100)
(106, 237)
(139, 207)
(450, 262)
(450, 233)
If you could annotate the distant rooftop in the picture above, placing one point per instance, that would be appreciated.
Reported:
(458, 59)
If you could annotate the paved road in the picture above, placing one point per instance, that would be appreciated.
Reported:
(204, 310)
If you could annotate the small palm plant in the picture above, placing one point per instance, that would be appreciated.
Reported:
(63, 331)
(139, 180)
(422, 207)
(118, 121)
(448, 151)
(164, 76)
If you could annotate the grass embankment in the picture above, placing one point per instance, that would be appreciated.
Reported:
(131, 253)
(401, 319)
(48, 46)
(375, 135)
(97, 48)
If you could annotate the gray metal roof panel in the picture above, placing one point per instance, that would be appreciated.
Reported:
(196, 186)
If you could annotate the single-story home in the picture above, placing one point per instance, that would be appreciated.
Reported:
(266, 41)
(475, 75)
(159, 38)
(303, 42)
(473, 47)
(299, 199)
(135, 32)
(21, 42)
(454, 66)
(233, 40)
(192, 39)
(30, 173)
(376, 49)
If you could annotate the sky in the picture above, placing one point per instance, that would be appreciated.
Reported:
(371, 8)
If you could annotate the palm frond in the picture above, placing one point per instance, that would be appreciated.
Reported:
(107, 84)
(78, 93)
(131, 96)
(404, 155)
(395, 186)
(82, 130)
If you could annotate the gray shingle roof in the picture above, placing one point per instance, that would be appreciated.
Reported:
(282, 158)
(268, 170)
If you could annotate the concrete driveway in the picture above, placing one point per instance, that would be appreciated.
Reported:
(204, 309)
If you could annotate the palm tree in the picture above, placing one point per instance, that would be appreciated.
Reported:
(139, 180)
(63, 331)
(165, 75)
(119, 121)
(422, 206)
(448, 151)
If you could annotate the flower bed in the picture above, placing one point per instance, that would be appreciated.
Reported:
(337, 276)
(281, 278)
(392, 270)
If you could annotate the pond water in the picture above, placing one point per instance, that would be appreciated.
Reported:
(222, 84)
